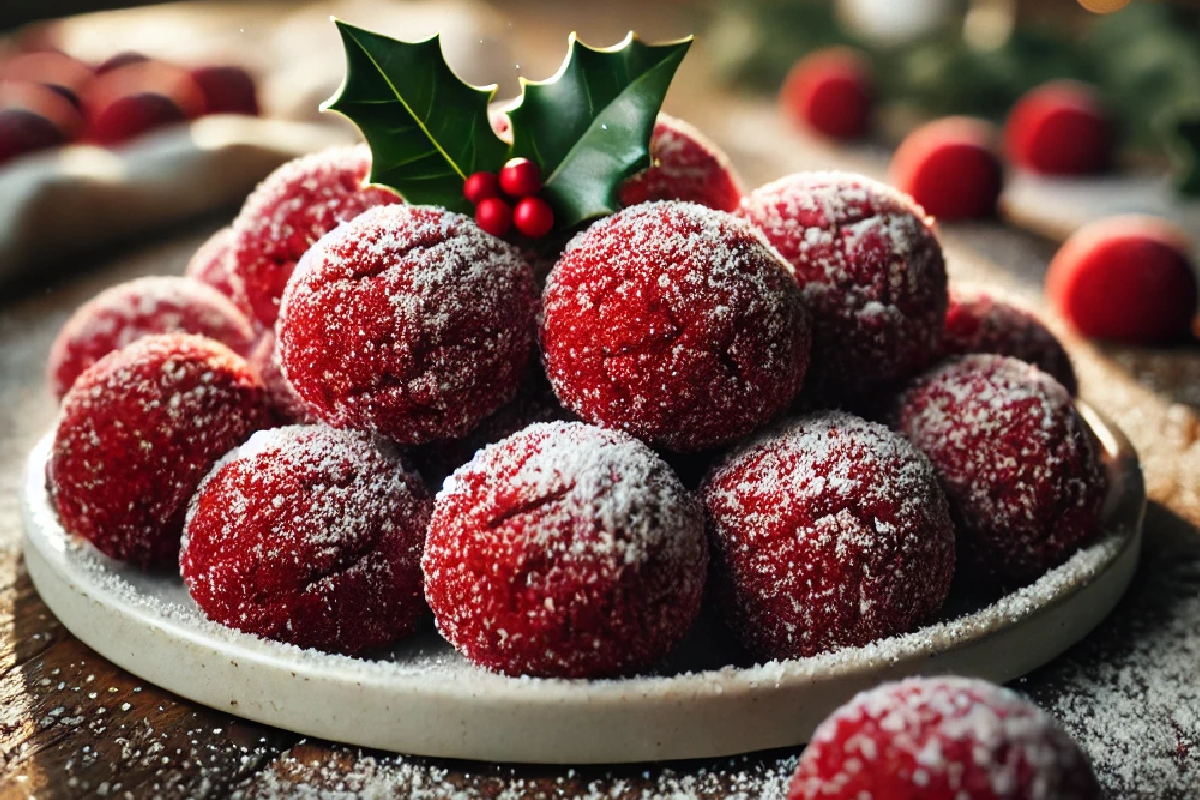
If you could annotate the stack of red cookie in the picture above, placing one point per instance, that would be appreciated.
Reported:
(671, 416)
(48, 99)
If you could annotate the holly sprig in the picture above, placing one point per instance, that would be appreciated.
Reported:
(587, 128)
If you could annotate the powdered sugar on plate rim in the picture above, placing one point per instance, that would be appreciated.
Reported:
(425, 666)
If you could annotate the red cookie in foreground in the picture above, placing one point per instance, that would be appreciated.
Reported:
(409, 322)
(565, 551)
(310, 536)
(1126, 279)
(951, 168)
(872, 274)
(832, 532)
(942, 739)
(686, 166)
(1059, 128)
(282, 399)
(830, 92)
(1020, 467)
(978, 323)
(124, 313)
(137, 433)
(291, 209)
(675, 323)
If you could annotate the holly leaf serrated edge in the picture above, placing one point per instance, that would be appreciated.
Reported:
(583, 183)
(423, 145)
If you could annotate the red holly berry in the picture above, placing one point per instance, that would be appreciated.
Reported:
(520, 177)
(481, 186)
(533, 217)
(494, 215)
(1125, 279)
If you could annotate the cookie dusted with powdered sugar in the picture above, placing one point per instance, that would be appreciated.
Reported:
(675, 323)
(830, 532)
(566, 551)
(942, 739)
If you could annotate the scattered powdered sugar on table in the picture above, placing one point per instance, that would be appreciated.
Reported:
(374, 777)
(1131, 697)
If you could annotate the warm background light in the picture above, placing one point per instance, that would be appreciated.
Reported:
(1103, 6)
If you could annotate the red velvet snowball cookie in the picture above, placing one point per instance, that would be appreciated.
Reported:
(133, 100)
(830, 533)
(227, 90)
(212, 263)
(978, 323)
(65, 76)
(675, 323)
(871, 270)
(942, 739)
(409, 322)
(685, 166)
(282, 399)
(1127, 279)
(830, 92)
(1059, 128)
(951, 168)
(1021, 469)
(32, 118)
(565, 551)
(137, 433)
(291, 209)
(125, 313)
(310, 536)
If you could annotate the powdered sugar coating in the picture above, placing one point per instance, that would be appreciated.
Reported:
(282, 399)
(137, 433)
(942, 739)
(871, 270)
(310, 536)
(831, 532)
(676, 323)
(122, 314)
(565, 551)
(409, 322)
(290, 210)
(979, 323)
(685, 165)
(1019, 465)
(212, 264)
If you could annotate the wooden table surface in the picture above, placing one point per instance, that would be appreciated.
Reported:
(73, 725)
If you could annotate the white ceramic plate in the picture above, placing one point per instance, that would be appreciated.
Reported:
(424, 699)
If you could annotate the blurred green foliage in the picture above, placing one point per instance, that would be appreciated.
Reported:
(1144, 60)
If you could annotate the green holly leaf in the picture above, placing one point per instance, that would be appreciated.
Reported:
(1183, 144)
(588, 128)
(428, 130)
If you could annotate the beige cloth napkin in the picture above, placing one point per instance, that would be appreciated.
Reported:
(60, 204)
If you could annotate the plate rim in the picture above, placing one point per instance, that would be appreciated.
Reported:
(729, 685)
